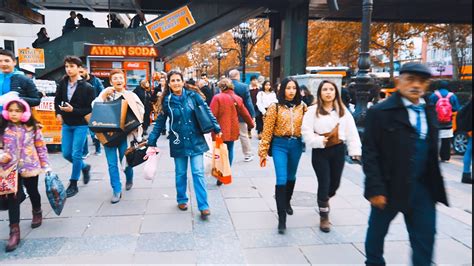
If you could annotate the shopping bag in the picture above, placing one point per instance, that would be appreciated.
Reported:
(108, 116)
(151, 166)
(208, 155)
(8, 180)
(220, 162)
(135, 155)
(111, 139)
(55, 192)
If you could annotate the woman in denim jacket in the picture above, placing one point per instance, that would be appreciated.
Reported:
(187, 142)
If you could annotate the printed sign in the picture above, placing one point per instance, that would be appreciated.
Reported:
(46, 116)
(171, 24)
(31, 57)
(120, 51)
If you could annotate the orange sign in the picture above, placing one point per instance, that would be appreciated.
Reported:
(136, 65)
(119, 50)
(31, 57)
(46, 116)
(171, 24)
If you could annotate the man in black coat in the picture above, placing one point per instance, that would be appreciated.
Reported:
(400, 157)
(73, 102)
(143, 91)
(11, 80)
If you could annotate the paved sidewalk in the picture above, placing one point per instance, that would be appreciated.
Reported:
(147, 227)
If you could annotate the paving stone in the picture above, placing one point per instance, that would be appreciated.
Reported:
(67, 227)
(342, 234)
(332, 254)
(165, 242)
(33, 248)
(112, 258)
(98, 245)
(271, 238)
(117, 225)
(452, 252)
(78, 209)
(287, 255)
(348, 217)
(254, 220)
(219, 252)
(162, 207)
(25, 228)
(167, 223)
(239, 192)
(302, 218)
(179, 257)
(135, 207)
(247, 205)
(395, 253)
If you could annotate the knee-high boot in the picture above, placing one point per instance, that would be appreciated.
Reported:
(14, 240)
(290, 187)
(281, 202)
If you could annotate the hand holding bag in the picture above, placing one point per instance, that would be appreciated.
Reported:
(151, 166)
(220, 162)
(55, 192)
(136, 154)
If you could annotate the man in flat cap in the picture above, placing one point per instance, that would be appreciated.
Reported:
(401, 165)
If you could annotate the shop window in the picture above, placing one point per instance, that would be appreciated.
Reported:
(9, 45)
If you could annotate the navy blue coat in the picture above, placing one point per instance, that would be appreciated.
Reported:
(26, 88)
(389, 155)
(186, 139)
(243, 91)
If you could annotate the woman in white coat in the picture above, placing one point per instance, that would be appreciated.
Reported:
(328, 127)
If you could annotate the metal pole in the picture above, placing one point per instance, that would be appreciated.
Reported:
(244, 53)
(364, 85)
(218, 67)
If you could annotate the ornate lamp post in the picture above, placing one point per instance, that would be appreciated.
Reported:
(441, 68)
(219, 55)
(205, 65)
(244, 36)
(364, 85)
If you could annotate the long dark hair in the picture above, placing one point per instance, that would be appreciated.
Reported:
(31, 123)
(281, 93)
(167, 90)
(265, 84)
(338, 104)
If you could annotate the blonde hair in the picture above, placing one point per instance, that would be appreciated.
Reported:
(225, 84)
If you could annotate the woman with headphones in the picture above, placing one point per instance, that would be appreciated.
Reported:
(187, 142)
(22, 148)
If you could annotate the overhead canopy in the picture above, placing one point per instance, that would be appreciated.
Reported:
(423, 11)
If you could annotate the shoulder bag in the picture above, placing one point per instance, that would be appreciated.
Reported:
(202, 116)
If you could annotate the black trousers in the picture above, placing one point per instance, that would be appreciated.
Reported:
(31, 184)
(146, 119)
(328, 165)
(259, 122)
(445, 150)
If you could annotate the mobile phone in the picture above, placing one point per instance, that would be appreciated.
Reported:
(63, 104)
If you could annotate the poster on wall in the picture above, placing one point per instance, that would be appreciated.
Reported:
(31, 57)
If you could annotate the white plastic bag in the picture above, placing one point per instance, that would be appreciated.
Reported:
(151, 166)
(208, 155)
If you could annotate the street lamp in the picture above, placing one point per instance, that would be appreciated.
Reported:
(243, 36)
(205, 65)
(441, 68)
(219, 55)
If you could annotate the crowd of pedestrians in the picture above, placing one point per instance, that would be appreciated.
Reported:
(289, 119)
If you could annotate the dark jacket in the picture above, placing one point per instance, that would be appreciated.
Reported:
(26, 88)
(208, 93)
(96, 84)
(81, 102)
(464, 118)
(388, 154)
(145, 97)
(70, 25)
(243, 91)
(42, 38)
(180, 112)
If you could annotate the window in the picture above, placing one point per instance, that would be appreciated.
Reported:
(9, 45)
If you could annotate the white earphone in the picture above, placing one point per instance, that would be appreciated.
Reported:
(177, 141)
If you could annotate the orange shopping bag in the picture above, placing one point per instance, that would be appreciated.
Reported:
(220, 162)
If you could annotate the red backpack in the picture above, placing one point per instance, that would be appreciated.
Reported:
(444, 108)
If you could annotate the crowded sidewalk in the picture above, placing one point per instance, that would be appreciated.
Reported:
(146, 227)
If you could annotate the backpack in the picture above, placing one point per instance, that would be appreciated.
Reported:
(444, 108)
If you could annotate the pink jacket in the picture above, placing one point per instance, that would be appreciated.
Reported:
(25, 147)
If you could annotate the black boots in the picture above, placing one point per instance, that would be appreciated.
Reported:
(282, 203)
(72, 190)
(325, 224)
(466, 178)
(290, 187)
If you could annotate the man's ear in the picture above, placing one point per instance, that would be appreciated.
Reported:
(397, 81)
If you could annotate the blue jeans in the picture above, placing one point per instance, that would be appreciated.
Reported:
(197, 169)
(286, 157)
(73, 140)
(114, 157)
(420, 222)
(230, 148)
(468, 157)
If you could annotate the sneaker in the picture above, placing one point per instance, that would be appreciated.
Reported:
(98, 153)
(85, 156)
(72, 191)
(248, 158)
(86, 172)
(183, 207)
(116, 198)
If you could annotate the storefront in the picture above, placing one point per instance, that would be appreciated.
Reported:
(138, 62)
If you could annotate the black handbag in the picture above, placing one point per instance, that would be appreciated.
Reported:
(135, 155)
(108, 116)
(202, 116)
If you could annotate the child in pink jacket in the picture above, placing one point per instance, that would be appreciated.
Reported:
(22, 145)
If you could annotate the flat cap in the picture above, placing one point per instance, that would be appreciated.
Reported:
(416, 68)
